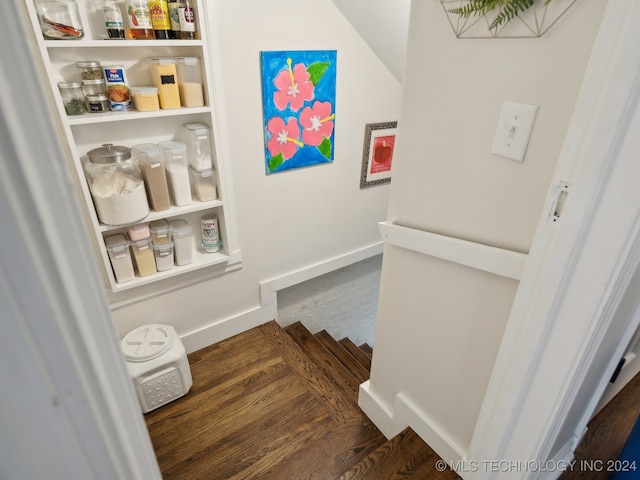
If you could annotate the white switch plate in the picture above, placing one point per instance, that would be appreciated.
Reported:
(514, 129)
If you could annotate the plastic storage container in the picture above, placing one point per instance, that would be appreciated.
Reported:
(174, 156)
(153, 172)
(197, 138)
(160, 231)
(182, 236)
(139, 231)
(116, 185)
(143, 257)
(163, 253)
(59, 19)
(190, 81)
(72, 98)
(157, 364)
(164, 78)
(203, 184)
(145, 99)
(120, 257)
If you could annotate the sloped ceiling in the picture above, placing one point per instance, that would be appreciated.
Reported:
(383, 24)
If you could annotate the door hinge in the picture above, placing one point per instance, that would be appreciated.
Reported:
(558, 200)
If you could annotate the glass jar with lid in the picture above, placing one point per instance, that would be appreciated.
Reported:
(59, 19)
(72, 98)
(116, 185)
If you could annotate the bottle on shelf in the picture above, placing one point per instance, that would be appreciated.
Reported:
(113, 19)
(187, 16)
(160, 19)
(174, 17)
(139, 20)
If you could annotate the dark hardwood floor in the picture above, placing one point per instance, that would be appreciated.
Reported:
(276, 404)
(270, 404)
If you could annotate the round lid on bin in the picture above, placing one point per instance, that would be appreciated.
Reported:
(109, 153)
(147, 342)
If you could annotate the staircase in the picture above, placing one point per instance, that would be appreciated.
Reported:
(347, 366)
(272, 404)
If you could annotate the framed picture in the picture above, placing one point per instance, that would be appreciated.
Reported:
(377, 156)
(299, 105)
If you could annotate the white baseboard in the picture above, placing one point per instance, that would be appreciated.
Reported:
(406, 414)
(227, 328)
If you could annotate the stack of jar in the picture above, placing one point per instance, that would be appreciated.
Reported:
(148, 248)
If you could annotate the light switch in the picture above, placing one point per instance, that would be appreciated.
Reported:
(514, 129)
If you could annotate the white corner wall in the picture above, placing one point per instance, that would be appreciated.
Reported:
(297, 224)
(440, 322)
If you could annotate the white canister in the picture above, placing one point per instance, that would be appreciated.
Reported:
(182, 242)
(211, 241)
(174, 155)
(120, 257)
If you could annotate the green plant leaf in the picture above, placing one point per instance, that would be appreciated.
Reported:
(325, 148)
(275, 162)
(509, 11)
(316, 71)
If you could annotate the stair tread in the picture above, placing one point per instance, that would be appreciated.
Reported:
(327, 362)
(335, 396)
(366, 349)
(405, 456)
(358, 354)
(359, 372)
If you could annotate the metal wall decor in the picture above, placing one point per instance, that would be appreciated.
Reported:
(535, 21)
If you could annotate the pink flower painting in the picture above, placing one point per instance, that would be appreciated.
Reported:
(298, 99)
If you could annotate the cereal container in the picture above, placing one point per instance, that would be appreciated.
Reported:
(164, 78)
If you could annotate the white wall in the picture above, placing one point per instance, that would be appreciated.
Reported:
(296, 219)
(440, 325)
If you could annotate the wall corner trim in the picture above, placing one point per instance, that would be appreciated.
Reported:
(498, 261)
(406, 414)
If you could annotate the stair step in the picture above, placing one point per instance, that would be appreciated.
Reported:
(356, 353)
(337, 398)
(359, 372)
(366, 349)
(404, 456)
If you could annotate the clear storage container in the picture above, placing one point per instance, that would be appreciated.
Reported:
(198, 140)
(155, 179)
(164, 78)
(59, 19)
(143, 257)
(190, 81)
(145, 99)
(94, 87)
(203, 184)
(116, 185)
(182, 236)
(160, 231)
(138, 231)
(120, 257)
(72, 98)
(174, 156)
(163, 253)
(90, 70)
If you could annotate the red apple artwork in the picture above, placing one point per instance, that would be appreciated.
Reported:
(382, 154)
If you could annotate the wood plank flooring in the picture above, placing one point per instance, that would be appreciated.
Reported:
(264, 407)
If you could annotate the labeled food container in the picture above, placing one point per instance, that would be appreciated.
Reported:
(155, 179)
(97, 103)
(120, 257)
(182, 236)
(160, 231)
(143, 257)
(190, 81)
(198, 140)
(164, 78)
(72, 98)
(117, 89)
(163, 253)
(145, 99)
(139, 231)
(116, 185)
(90, 70)
(174, 157)
(203, 184)
(59, 19)
(211, 241)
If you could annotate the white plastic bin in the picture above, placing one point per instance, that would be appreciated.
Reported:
(157, 363)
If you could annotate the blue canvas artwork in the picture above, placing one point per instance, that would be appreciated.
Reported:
(298, 98)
